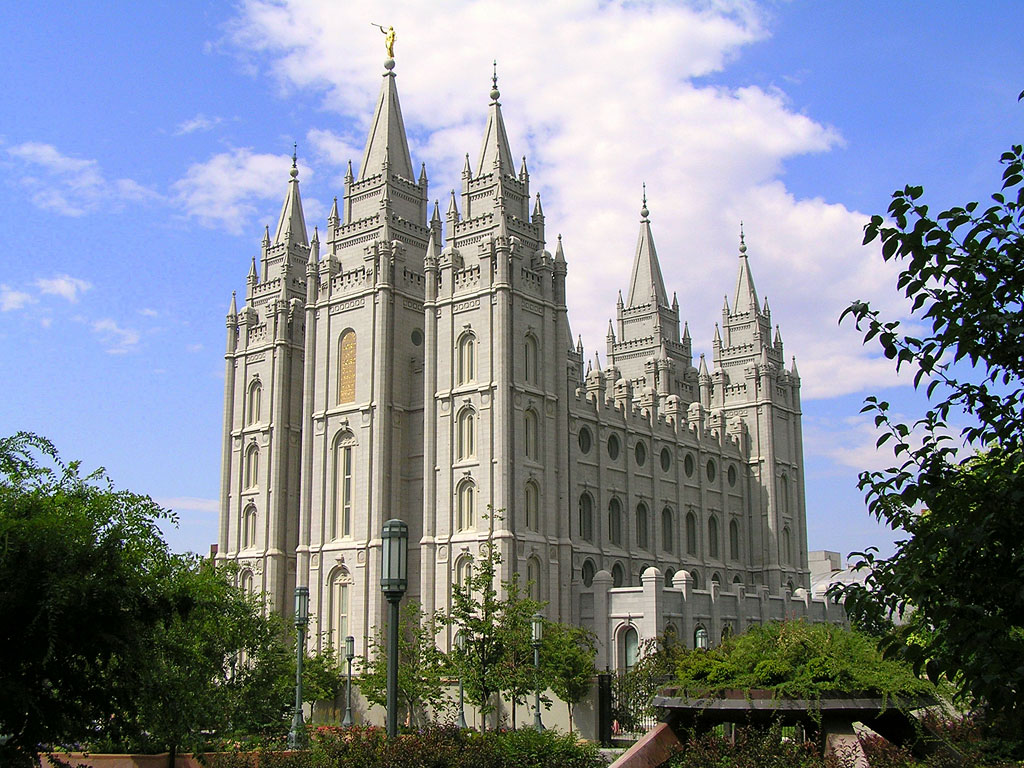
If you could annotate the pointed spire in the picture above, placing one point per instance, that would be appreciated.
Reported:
(314, 248)
(718, 336)
(253, 275)
(647, 283)
(423, 175)
(453, 207)
(702, 371)
(559, 254)
(467, 169)
(675, 303)
(349, 177)
(495, 154)
(433, 247)
(266, 236)
(725, 305)
(620, 304)
(537, 210)
(746, 294)
(597, 361)
(793, 370)
(686, 332)
(579, 345)
(766, 310)
(611, 331)
(386, 142)
(778, 336)
(764, 357)
(233, 309)
(291, 226)
(523, 172)
(332, 217)
(435, 218)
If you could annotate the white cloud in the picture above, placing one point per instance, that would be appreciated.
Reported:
(147, 312)
(199, 123)
(117, 339)
(72, 186)
(63, 285)
(189, 504)
(11, 299)
(602, 96)
(223, 191)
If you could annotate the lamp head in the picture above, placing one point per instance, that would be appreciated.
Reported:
(301, 606)
(350, 648)
(538, 628)
(394, 553)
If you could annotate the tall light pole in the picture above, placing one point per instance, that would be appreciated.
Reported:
(538, 633)
(460, 644)
(297, 735)
(394, 580)
(350, 653)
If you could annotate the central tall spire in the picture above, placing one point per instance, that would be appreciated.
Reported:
(647, 284)
(495, 153)
(386, 142)
(746, 294)
(291, 226)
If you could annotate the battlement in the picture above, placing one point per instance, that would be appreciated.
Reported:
(354, 279)
(257, 333)
(467, 279)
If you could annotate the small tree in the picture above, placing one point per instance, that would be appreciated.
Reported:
(567, 656)
(422, 667)
(323, 675)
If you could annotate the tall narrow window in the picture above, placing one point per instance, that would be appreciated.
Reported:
(253, 406)
(618, 575)
(252, 466)
(531, 506)
(347, 367)
(667, 530)
(466, 437)
(463, 571)
(249, 527)
(464, 503)
(530, 436)
(630, 648)
(615, 522)
(588, 572)
(466, 359)
(713, 537)
(784, 495)
(533, 578)
(787, 547)
(586, 517)
(339, 607)
(734, 540)
(530, 359)
(641, 525)
(342, 489)
(247, 583)
(691, 534)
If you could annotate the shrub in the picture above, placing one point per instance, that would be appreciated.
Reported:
(753, 748)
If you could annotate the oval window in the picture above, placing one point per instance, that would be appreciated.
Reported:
(613, 447)
(712, 471)
(666, 459)
(641, 454)
(584, 439)
(732, 475)
(688, 465)
(417, 337)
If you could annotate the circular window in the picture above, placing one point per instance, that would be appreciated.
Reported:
(711, 470)
(584, 439)
(641, 454)
(688, 465)
(417, 337)
(666, 459)
(613, 447)
(732, 475)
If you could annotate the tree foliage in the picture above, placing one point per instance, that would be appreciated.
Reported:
(567, 656)
(955, 581)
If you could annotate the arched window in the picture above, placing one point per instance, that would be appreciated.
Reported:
(347, 366)
(734, 540)
(787, 546)
(340, 592)
(789, 586)
(641, 525)
(533, 578)
(530, 359)
(466, 437)
(691, 533)
(615, 522)
(630, 648)
(713, 536)
(530, 436)
(618, 575)
(784, 495)
(726, 631)
(253, 404)
(342, 486)
(249, 527)
(737, 580)
(695, 578)
(716, 578)
(586, 517)
(667, 530)
(531, 505)
(700, 638)
(587, 572)
(465, 517)
(466, 359)
(463, 570)
(670, 573)
(247, 583)
(252, 466)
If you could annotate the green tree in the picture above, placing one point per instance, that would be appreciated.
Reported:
(323, 675)
(567, 656)
(955, 580)
(422, 667)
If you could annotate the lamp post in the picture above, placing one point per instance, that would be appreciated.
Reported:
(394, 580)
(538, 633)
(460, 644)
(297, 735)
(350, 653)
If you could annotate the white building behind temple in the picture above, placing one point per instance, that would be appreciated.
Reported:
(422, 367)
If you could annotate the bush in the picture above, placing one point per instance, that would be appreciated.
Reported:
(754, 748)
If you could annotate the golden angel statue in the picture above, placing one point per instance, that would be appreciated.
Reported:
(389, 39)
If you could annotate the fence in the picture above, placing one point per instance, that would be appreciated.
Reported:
(624, 706)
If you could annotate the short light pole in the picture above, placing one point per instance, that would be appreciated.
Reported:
(460, 644)
(350, 653)
(297, 735)
(538, 633)
(394, 580)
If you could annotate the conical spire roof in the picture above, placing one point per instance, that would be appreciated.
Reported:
(291, 226)
(746, 294)
(495, 151)
(647, 281)
(386, 141)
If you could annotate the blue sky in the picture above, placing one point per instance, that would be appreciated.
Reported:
(143, 146)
